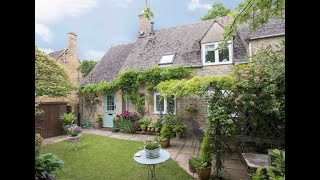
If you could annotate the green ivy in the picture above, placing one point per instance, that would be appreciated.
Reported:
(196, 86)
(128, 81)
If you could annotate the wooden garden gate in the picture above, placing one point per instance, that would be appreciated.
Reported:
(48, 124)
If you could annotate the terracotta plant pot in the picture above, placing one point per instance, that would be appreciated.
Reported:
(204, 173)
(133, 130)
(143, 130)
(165, 143)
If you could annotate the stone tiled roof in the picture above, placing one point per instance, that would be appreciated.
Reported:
(273, 27)
(56, 54)
(109, 65)
(183, 41)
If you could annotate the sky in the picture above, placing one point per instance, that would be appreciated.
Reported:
(101, 24)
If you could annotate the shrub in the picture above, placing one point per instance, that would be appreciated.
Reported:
(165, 132)
(179, 128)
(275, 171)
(47, 165)
(206, 149)
(67, 118)
(38, 142)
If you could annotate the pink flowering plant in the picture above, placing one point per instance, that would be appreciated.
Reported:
(74, 130)
(125, 120)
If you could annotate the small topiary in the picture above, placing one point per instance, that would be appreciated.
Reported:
(165, 132)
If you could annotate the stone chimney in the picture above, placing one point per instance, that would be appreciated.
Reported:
(144, 25)
(72, 43)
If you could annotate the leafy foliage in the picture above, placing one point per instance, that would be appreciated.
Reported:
(86, 66)
(165, 132)
(67, 118)
(154, 75)
(151, 145)
(128, 82)
(179, 128)
(47, 165)
(50, 77)
(260, 86)
(197, 86)
(274, 172)
(256, 12)
(147, 12)
(206, 149)
(125, 121)
(192, 109)
(38, 142)
(217, 10)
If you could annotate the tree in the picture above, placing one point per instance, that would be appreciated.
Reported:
(217, 10)
(86, 67)
(256, 12)
(50, 77)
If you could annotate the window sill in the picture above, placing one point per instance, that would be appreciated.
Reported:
(164, 113)
(215, 64)
(158, 113)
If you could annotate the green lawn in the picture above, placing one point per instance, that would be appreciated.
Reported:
(108, 158)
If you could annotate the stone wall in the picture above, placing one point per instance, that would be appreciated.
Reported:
(260, 43)
(69, 60)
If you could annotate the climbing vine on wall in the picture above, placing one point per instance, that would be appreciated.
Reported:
(128, 81)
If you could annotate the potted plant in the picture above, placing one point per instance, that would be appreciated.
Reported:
(98, 121)
(203, 163)
(74, 130)
(178, 129)
(165, 136)
(203, 167)
(143, 128)
(67, 119)
(192, 161)
(152, 149)
(135, 126)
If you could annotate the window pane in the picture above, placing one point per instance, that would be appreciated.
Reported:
(159, 103)
(209, 53)
(224, 54)
(167, 59)
(170, 104)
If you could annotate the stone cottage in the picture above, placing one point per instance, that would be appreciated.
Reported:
(190, 45)
(68, 58)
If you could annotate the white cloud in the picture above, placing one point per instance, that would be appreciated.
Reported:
(43, 31)
(55, 10)
(46, 50)
(122, 3)
(195, 4)
(48, 11)
(94, 55)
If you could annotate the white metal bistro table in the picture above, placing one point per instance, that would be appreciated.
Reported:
(140, 157)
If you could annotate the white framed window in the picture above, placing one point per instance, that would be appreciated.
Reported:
(167, 59)
(161, 104)
(213, 56)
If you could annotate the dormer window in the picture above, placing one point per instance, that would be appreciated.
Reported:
(213, 56)
(167, 59)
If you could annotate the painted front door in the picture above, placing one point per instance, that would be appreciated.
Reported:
(109, 109)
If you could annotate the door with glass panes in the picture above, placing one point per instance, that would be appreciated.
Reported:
(109, 109)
